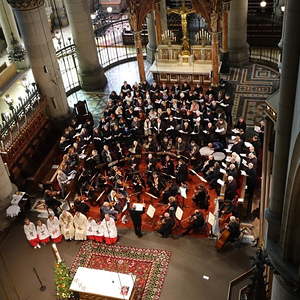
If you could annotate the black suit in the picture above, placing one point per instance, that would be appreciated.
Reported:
(136, 217)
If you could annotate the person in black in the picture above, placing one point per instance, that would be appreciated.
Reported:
(181, 172)
(51, 202)
(136, 217)
(167, 224)
(201, 197)
(196, 223)
(234, 228)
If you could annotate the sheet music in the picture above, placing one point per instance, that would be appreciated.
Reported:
(211, 219)
(222, 171)
(247, 144)
(150, 211)
(220, 182)
(179, 213)
(243, 155)
(243, 173)
(257, 129)
(139, 206)
(125, 208)
(182, 191)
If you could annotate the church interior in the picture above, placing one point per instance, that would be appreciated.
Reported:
(149, 149)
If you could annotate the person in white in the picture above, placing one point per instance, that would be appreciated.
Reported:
(42, 232)
(66, 225)
(80, 224)
(91, 227)
(98, 231)
(31, 234)
(109, 230)
(54, 229)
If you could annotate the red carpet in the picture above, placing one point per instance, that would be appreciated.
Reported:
(149, 265)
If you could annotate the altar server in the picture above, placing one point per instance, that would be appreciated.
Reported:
(91, 227)
(66, 225)
(42, 232)
(31, 234)
(54, 229)
(80, 224)
(109, 230)
(98, 231)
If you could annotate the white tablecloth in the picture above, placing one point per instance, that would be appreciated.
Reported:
(104, 283)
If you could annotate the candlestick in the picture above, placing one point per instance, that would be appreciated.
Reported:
(56, 253)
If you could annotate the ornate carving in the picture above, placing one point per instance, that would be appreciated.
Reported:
(26, 4)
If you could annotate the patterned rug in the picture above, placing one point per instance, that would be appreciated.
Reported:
(149, 265)
(252, 85)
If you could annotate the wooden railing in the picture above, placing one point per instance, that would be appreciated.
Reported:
(267, 56)
(18, 117)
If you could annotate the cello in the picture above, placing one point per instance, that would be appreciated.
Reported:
(221, 241)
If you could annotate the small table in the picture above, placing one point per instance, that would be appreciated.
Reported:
(92, 284)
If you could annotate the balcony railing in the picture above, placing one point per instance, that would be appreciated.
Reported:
(267, 56)
(13, 122)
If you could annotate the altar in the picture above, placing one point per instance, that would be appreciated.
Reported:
(171, 65)
(93, 284)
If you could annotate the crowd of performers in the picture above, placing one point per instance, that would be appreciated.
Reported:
(149, 141)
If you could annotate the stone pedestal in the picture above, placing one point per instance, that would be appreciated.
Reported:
(151, 46)
(91, 73)
(238, 46)
(10, 30)
(34, 26)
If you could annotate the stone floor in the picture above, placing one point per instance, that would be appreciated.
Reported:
(192, 258)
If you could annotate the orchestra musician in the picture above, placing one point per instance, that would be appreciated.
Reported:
(196, 223)
(166, 227)
(201, 197)
(234, 228)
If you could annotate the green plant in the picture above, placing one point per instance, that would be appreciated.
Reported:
(63, 281)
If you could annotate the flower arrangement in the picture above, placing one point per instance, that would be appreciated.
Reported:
(63, 281)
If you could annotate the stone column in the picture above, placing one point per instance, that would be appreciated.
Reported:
(288, 86)
(6, 190)
(225, 27)
(91, 73)
(10, 30)
(34, 27)
(158, 26)
(151, 47)
(163, 15)
(139, 54)
(238, 46)
(59, 12)
(215, 48)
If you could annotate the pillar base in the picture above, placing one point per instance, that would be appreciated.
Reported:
(281, 291)
(239, 56)
(4, 204)
(92, 81)
(150, 54)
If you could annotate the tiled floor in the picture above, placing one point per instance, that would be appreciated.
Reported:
(115, 77)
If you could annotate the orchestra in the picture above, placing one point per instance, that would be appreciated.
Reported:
(148, 145)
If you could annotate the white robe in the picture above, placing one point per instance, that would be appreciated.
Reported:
(91, 227)
(98, 229)
(80, 224)
(30, 231)
(66, 225)
(42, 231)
(53, 227)
(109, 228)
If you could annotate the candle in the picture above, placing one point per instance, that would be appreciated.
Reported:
(56, 253)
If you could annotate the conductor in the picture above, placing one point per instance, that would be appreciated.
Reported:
(136, 217)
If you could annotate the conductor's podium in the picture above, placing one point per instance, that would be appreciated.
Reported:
(92, 284)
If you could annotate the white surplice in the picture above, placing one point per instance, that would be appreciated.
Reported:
(66, 225)
(30, 231)
(42, 231)
(80, 224)
(109, 228)
(53, 228)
